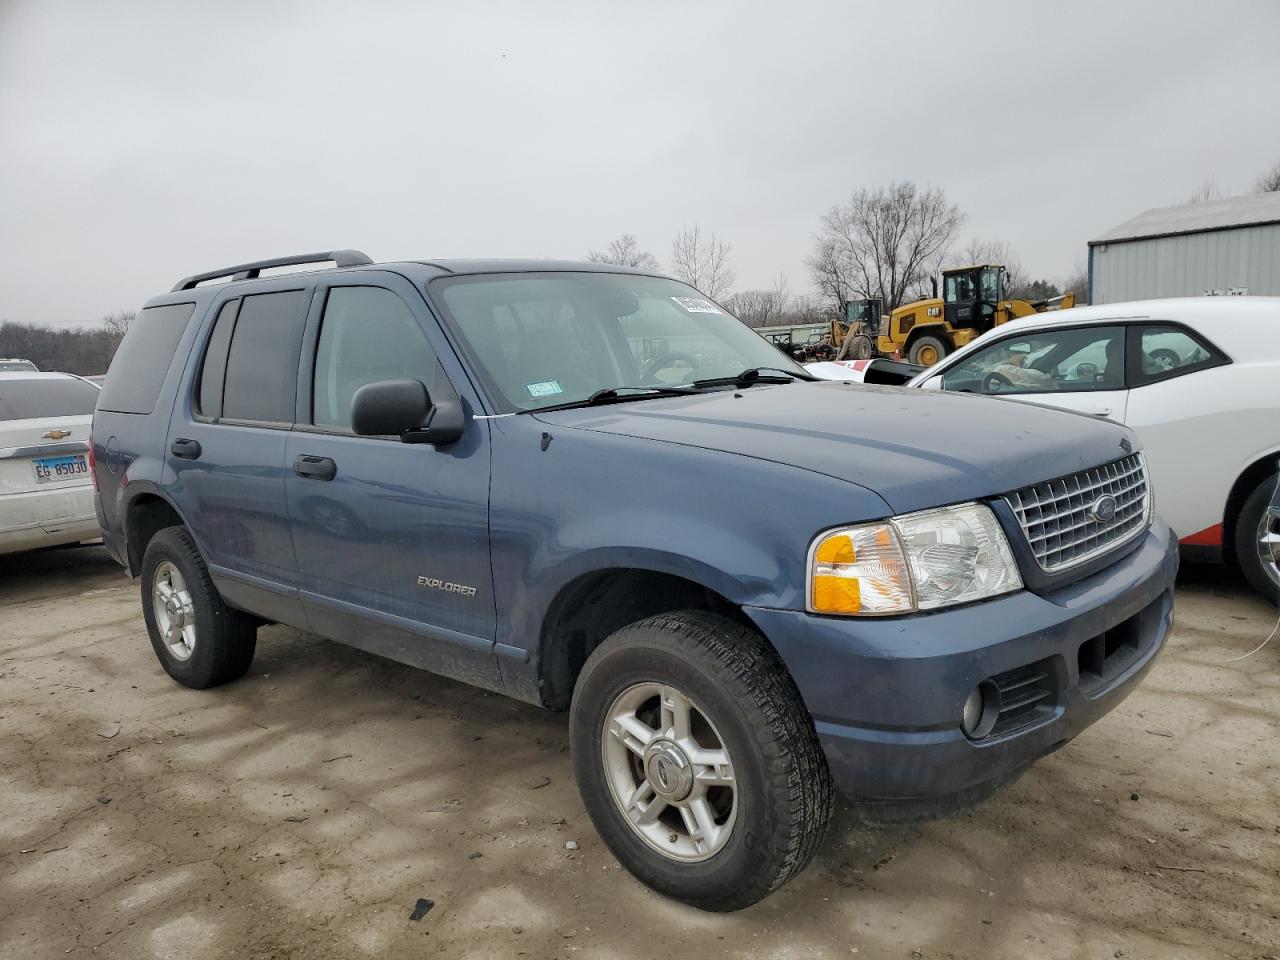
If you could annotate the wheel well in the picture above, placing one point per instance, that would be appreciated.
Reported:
(1253, 475)
(589, 609)
(147, 516)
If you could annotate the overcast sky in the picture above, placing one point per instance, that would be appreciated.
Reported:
(142, 142)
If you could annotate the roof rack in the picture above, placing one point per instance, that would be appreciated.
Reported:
(251, 271)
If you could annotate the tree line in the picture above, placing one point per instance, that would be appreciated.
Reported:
(83, 350)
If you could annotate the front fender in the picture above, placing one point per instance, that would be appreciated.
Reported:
(591, 501)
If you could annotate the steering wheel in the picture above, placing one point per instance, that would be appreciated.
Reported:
(995, 382)
(1162, 360)
(661, 363)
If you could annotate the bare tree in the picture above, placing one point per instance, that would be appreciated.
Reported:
(1077, 282)
(1269, 182)
(117, 324)
(626, 252)
(1207, 191)
(702, 261)
(883, 243)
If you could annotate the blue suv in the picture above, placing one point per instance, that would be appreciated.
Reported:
(591, 488)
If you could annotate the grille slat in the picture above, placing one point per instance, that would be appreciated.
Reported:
(1056, 517)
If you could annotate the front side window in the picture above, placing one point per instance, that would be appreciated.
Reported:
(367, 334)
(262, 362)
(1073, 360)
(991, 291)
(548, 339)
(1165, 351)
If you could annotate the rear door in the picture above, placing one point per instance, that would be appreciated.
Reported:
(227, 446)
(393, 541)
(1080, 368)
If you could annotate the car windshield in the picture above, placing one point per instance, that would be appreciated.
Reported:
(25, 399)
(7, 366)
(549, 339)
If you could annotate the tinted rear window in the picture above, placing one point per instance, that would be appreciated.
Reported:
(139, 366)
(31, 399)
(262, 364)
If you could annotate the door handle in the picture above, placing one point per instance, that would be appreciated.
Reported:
(315, 468)
(186, 449)
(1099, 412)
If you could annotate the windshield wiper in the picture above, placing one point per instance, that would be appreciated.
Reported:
(617, 395)
(754, 375)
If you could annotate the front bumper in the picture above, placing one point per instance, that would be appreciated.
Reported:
(886, 694)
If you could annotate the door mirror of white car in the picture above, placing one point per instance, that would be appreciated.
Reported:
(933, 383)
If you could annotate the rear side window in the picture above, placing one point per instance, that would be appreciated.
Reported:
(31, 399)
(139, 366)
(1164, 351)
(214, 368)
(262, 363)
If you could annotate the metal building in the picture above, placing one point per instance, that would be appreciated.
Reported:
(1218, 247)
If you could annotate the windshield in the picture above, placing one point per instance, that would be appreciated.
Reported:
(547, 339)
(12, 365)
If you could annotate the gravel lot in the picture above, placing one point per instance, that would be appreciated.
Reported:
(302, 813)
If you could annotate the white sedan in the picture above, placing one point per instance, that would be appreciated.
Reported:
(46, 485)
(1198, 379)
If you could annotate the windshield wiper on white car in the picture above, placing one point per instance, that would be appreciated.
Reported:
(617, 395)
(754, 375)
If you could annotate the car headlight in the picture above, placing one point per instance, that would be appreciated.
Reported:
(918, 561)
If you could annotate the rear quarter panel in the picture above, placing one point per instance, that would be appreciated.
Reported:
(129, 448)
(1200, 432)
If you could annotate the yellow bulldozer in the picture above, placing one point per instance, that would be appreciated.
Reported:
(972, 302)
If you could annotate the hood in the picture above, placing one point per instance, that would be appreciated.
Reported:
(915, 448)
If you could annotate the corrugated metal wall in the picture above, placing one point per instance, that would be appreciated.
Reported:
(1188, 265)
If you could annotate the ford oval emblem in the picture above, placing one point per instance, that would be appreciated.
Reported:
(1104, 508)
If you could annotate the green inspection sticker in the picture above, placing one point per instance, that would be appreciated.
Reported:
(544, 388)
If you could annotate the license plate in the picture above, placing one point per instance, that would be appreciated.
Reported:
(49, 469)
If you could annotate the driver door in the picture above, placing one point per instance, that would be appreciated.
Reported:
(1073, 368)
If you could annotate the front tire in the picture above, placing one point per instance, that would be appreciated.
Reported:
(926, 351)
(697, 761)
(1257, 541)
(198, 639)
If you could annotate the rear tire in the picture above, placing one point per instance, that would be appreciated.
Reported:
(198, 639)
(749, 756)
(1251, 525)
(926, 351)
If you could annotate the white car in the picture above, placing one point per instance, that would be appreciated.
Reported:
(46, 485)
(1198, 379)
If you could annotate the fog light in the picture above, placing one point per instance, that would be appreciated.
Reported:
(981, 710)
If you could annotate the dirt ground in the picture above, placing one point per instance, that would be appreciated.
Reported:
(302, 813)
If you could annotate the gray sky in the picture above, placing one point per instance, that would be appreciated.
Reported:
(142, 142)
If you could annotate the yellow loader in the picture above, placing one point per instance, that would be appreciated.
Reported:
(972, 303)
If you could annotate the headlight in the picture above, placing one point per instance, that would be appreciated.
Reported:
(919, 561)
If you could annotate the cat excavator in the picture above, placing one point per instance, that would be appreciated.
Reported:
(972, 302)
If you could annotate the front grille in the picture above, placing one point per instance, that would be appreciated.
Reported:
(1058, 519)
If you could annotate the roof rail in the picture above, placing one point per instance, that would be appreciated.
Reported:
(251, 271)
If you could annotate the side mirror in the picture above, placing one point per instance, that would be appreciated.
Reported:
(403, 408)
(389, 407)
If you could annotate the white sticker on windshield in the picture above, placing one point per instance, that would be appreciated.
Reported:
(696, 305)
(544, 388)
